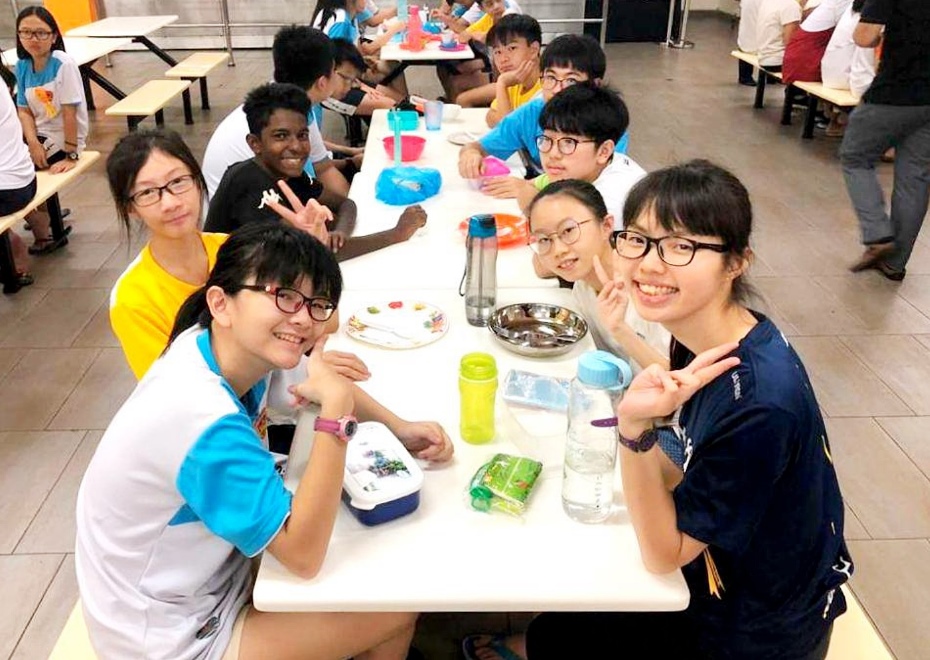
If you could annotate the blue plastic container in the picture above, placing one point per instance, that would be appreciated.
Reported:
(409, 120)
(382, 481)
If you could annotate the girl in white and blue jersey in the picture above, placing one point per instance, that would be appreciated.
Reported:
(182, 492)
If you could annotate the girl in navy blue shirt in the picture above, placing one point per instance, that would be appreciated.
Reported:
(754, 519)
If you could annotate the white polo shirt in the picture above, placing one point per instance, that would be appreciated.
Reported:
(16, 168)
(773, 16)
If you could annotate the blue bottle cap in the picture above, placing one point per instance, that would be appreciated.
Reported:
(603, 369)
(482, 226)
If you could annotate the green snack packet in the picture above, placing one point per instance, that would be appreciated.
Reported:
(504, 484)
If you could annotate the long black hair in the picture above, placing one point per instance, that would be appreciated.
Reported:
(46, 17)
(263, 253)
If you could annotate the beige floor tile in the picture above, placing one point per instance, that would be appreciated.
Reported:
(808, 307)
(881, 485)
(32, 393)
(97, 333)
(53, 527)
(14, 308)
(923, 339)
(8, 359)
(901, 362)
(40, 635)
(852, 528)
(916, 290)
(876, 303)
(892, 581)
(913, 436)
(98, 395)
(57, 319)
(23, 581)
(844, 386)
(30, 465)
(75, 266)
(805, 253)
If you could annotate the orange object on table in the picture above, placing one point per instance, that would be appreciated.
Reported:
(72, 13)
(512, 230)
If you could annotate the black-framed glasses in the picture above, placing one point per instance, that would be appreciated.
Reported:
(568, 232)
(549, 81)
(41, 35)
(290, 301)
(567, 145)
(176, 186)
(353, 81)
(673, 250)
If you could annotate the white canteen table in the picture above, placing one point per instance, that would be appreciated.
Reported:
(444, 556)
(138, 28)
(435, 256)
(430, 55)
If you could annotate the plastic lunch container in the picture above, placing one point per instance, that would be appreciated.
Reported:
(382, 481)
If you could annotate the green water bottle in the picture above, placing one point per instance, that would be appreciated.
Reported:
(478, 387)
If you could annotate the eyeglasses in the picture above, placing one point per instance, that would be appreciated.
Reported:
(549, 81)
(290, 301)
(673, 250)
(568, 232)
(567, 145)
(151, 196)
(353, 81)
(41, 35)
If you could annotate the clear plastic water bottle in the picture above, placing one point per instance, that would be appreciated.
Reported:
(480, 279)
(591, 450)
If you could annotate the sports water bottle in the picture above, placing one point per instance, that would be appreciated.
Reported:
(591, 449)
(480, 278)
(477, 388)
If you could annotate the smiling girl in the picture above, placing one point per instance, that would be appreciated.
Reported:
(182, 492)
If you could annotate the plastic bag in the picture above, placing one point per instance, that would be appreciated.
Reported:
(402, 186)
(504, 484)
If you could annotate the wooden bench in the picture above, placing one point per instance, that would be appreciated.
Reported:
(47, 188)
(761, 74)
(842, 98)
(854, 636)
(196, 67)
(150, 99)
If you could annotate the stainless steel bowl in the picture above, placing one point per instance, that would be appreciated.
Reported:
(537, 329)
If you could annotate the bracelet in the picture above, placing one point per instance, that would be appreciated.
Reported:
(643, 443)
(72, 144)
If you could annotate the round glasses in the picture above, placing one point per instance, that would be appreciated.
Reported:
(673, 250)
(290, 301)
(41, 35)
(352, 81)
(549, 81)
(176, 186)
(568, 232)
(566, 145)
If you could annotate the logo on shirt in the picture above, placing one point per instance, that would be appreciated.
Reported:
(209, 628)
(45, 97)
(737, 389)
(270, 195)
(689, 448)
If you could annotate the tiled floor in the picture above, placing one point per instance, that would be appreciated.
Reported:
(866, 341)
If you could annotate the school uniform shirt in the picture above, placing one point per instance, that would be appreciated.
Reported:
(760, 489)
(227, 147)
(475, 12)
(518, 130)
(16, 168)
(846, 65)
(773, 16)
(340, 26)
(371, 8)
(180, 493)
(746, 34)
(519, 97)
(614, 183)
(825, 15)
(45, 92)
(654, 334)
(145, 301)
(903, 76)
(243, 195)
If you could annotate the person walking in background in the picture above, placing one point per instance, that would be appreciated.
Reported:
(895, 113)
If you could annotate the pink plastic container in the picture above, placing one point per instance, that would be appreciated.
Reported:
(411, 147)
(493, 167)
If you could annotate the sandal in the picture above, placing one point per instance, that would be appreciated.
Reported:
(495, 643)
(50, 244)
(24, 279)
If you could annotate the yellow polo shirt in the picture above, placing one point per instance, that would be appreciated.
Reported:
(145, 301)
(517, 96)
(483, 24)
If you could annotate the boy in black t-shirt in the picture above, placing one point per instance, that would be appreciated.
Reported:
(895, 112)
(250, 191)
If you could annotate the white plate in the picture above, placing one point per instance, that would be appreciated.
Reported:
(398, 324)
(464, 137)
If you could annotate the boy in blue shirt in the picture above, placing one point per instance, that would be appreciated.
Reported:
(568, 60)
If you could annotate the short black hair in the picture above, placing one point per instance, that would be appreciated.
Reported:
(345, 52)
(576, 51)
(302, 55)
(513, 26)
(592, 111)
(261, 102)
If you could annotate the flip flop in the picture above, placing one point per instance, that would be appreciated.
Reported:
(496, 643)
(50, 244)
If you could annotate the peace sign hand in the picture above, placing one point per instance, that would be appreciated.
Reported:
(613, 300)
(310, 217)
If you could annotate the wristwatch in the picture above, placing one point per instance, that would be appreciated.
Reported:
(643, 443)
(72, 155)
(343, 428)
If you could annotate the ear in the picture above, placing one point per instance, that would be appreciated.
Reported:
(605, 152)
(255, 143)
(607, 225)
(535, 47)
(218, 302)
(597, 82)
(738, 265)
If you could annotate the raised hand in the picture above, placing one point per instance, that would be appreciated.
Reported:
(310, 217)
(613, 300)
(519, 75)
(410, 221)
(324, 384)
(425, 440)
(348, 365)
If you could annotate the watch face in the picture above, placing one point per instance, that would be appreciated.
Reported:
(351, 427)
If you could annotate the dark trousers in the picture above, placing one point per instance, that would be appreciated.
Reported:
(745, 71)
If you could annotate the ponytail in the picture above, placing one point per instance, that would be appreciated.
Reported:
(194, 311)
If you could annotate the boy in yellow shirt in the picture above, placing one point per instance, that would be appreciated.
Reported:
(514, 41)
